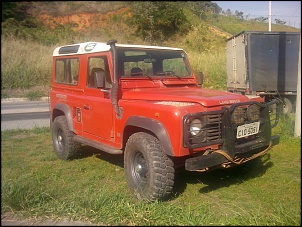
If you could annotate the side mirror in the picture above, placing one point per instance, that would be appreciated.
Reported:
(200, 78)
(99, 79)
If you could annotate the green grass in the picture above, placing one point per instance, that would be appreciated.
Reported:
(25, 64)
(35, 95)
(234, 25)
(35, 183)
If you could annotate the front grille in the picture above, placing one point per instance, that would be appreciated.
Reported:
(213, 127)
(210, 132)
(220, 127)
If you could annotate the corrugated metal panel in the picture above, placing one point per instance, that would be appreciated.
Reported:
(263, 61)
(236, 63)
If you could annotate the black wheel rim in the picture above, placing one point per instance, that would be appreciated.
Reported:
(139, 169)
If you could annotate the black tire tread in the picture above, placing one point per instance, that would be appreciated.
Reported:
(162, 167)
(71, 147)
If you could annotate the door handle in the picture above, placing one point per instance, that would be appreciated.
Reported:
(86, 107)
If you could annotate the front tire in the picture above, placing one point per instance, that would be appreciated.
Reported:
(149, 171)
(64, 145)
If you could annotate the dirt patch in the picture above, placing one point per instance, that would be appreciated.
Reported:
(11, 219)
(81, 20)
(220, 32)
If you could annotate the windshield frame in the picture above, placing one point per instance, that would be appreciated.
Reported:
(154, 63)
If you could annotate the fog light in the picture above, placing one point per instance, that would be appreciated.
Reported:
(253, 112)
(238, 115)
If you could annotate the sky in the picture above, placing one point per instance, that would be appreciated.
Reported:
(289, 11)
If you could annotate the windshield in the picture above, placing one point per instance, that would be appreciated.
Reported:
(152, 62)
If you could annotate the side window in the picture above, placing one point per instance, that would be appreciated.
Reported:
(98, 64)
(67, 71)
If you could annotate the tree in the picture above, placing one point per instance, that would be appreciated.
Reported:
(278, 21)
(16, 10)
(157, 21)
(261, 19)
(229, 12)
(198, 7)
(238, 14)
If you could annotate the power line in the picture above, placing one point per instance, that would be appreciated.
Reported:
(297, 9)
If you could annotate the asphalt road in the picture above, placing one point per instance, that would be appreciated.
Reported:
(22, 114)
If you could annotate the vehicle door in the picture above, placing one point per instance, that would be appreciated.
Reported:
(97, 106)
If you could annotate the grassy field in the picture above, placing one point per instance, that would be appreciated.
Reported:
(35, 183)
(24, 76)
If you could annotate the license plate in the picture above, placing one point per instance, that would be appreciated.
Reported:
(247, 129)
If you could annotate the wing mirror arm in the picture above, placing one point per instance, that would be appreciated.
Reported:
(105, 90)
(200, 79)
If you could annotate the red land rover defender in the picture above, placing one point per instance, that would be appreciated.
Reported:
(146, 103)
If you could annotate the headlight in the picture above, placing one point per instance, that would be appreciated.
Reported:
(253, 112)
(195, 127)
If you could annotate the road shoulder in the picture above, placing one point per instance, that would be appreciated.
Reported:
(45, 99)
(11, 219)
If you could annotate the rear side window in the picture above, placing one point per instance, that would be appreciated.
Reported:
(67, 71)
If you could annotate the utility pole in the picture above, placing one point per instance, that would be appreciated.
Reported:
(269, 16)
(298, 99)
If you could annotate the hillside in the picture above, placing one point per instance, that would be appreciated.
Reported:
(38, 27)
(92, 15)
(102, 20)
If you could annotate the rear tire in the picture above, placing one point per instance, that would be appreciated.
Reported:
(64, 145)
(288, 106)
(149, 171)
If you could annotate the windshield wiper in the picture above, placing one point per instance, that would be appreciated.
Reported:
(150, 77)
(169, 73)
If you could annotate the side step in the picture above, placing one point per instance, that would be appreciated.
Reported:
(99, 146)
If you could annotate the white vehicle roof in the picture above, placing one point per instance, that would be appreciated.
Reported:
(94, 47)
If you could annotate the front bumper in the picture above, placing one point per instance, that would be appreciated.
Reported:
(220, 158)
(221, 127)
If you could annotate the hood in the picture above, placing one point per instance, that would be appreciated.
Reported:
(205, 97)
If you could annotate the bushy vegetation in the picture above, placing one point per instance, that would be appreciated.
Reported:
(159, 20)
(33, 30)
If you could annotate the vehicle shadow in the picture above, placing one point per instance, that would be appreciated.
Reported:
(220, 178)
(114, 159)
(209, 181)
